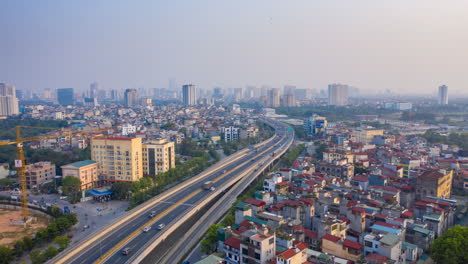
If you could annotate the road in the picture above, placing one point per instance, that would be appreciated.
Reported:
(107, 248)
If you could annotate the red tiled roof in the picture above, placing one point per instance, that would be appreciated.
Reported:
(113, 138)
(300, 245)
(287, 254)
(331, 238)
(307, 201)
(255, 202)
(310, 233)
(351, 244)
(377, 258)
(360, 179)
(233, 242)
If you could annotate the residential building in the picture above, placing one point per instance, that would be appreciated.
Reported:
(443, 95)
(131, 98)
(274, 97)
(158, 156)
(294, 255)
(341, 248)
(366, 135)
(434, 183)
(388, 245)
(231, 133)
(338, 94)
(65, 96)
(128, 129)
(189, 94)
(87, 171)
(231, 248)
(119, 158)
(257, 246)
(38, 173)
(8, 100)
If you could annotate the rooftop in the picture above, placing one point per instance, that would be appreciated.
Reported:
(82, 163)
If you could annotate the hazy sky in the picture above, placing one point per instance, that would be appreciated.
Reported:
(402, 45)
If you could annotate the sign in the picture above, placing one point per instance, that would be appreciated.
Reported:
(18, 163)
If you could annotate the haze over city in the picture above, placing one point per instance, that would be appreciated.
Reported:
(407, 47)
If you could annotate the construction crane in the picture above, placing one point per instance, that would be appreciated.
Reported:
(20, 161)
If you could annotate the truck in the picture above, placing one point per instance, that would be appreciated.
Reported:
(207, 185)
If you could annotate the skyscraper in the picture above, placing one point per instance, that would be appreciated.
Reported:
(131, 97)
(93, 90)
(65, 96)
(189, 94)
(8, 100)
(443, 95)
(274, 97)
(338, 94)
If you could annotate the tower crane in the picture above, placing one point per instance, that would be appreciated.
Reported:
(20, 161)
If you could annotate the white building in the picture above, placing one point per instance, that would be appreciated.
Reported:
(231, 133)
(128, 129)
(8, 100)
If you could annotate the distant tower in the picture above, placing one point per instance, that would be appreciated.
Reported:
(8, 100)
(131, 97)
(93, 90)
(65, 96)
(443, 95)
(338, 94)
(189, 94)
(274, 97)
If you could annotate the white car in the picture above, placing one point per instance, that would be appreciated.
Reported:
(146, 229)
(161, 226)
(212, 189)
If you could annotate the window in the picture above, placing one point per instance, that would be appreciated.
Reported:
(257, 256)
(245, 251)
(271, 241)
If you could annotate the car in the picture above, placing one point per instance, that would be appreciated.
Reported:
(147, 229)
(212, 188)
(152, 214)
(161, 226)
(63, 197)
(126, 251)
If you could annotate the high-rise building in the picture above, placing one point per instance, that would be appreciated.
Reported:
(289, 89)
(274, 97)
(65, 96)
(288, 100)
(8, 100)
(131, 97)
(338, 94)
(39, 173)
(119, 158)
(237, 94)
(93, 90)
(189, 94)
(443, 95)
(158, 156)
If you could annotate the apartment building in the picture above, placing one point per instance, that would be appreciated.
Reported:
(366, 135)
(158, 156)
(87, 171)
(257, 246)
(434, 183)
(39, 173)
(119, 158)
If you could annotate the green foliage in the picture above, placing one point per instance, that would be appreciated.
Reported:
(319, 150)
(208, 244)
(460, 140)
(169, 126)
(418, 116)
(19, 248)
(6, 182)
(120, 190)
(292, 155)
(6, 255)
(450, 248)
(36, 257)
(28, 243)
(50, 252)
(62, 242)
(229, 220)
(8, 126)
(54, 211)
(71, 186)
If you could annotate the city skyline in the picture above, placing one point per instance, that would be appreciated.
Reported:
(306, 44)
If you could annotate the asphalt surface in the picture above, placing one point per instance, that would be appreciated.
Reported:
(167, 210)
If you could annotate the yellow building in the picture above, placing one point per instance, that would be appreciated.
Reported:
(119, 158)
(435, 183)
(158, 156)
(366, 135)
(86, 170)
(341, 248)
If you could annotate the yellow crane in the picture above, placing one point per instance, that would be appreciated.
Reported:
(20, 161)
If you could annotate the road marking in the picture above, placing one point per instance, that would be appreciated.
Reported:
(180, 202)
(166, 202)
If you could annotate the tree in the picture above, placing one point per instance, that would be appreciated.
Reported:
(120, 190)
(450, 248)
(62, 224)
(50, 252)
(6, 255)
(37, 257)
(28, 243)
(62, 242)
(71, 218)
(19, 248)
(71, 186)
(41, 236)
(211, 238)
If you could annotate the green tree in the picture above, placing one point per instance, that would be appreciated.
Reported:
(71, 186)
(62, 242)
(50, 252)
(28, 243)
(211, 237)
(54, 211)
(19, 248)
(71, 218)
(37, 257)
(41, 236)
(62, 224)
(6, 255)
(450, 248)
(120, 189)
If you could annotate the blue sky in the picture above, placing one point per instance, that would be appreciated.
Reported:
(405, 46)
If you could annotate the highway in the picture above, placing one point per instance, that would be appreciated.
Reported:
(123, 233)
